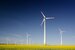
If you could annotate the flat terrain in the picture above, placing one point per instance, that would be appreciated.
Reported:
(36, 47)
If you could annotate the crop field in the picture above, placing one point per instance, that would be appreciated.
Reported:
(36, 47)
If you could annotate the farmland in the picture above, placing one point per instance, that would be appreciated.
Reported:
(36, 47)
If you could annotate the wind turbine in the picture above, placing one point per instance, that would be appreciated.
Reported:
(15, 42)
(27, 38)
(8, 40)
(61, 32)
(44, 22)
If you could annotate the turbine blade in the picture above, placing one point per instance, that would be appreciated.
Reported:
(43, 14)
(50, 18)
(61, 31)
(42, 22)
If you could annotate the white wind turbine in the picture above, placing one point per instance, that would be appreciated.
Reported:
(61, 32)
(15, 42)
(8, 40)
(44, 21)
(28, 35)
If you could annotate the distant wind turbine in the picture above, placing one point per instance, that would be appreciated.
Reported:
(28, 35)
(7, 40)
(61, 32)
(44, 21)
(15, 42)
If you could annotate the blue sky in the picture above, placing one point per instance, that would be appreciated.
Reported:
(20, 17)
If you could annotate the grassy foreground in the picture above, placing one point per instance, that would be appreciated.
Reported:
(36, 47)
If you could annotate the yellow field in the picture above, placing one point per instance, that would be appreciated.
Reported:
(36, 47)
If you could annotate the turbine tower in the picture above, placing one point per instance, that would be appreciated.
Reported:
(44, 21)
(61, 32)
